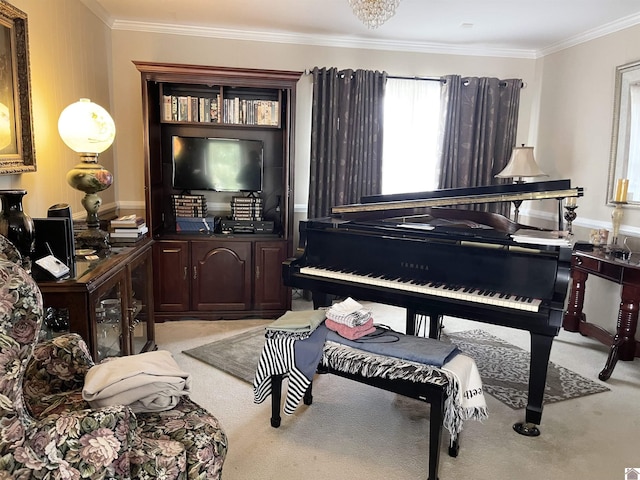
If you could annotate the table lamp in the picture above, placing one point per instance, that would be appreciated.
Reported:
(89, 130)
(521, 164)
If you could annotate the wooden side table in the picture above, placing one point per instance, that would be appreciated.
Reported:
(623, 344)
(124, 275)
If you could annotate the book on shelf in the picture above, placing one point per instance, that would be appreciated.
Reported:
(127, 221)
(132, 233)
(183, 108)
(238, 199)
(167, 108)
(124, 241)
(137, 228)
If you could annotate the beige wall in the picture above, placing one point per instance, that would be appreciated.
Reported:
(70, 52)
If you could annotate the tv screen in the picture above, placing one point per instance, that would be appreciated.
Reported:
(219, 164)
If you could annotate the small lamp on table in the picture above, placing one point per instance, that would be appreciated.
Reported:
(521, 164)
(89, 130)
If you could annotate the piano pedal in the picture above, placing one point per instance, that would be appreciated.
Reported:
(527, 429)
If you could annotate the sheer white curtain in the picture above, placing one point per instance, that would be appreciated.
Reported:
(409, 155)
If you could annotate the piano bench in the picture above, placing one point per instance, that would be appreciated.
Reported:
(432, 393)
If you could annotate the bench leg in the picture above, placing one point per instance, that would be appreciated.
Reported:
(454, 447)
(276, 398)
(435, 435)
(308, 396)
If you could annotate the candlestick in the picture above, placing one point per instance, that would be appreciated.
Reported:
(622, 187)
(570, 215)
(616, 220)
(570, 201)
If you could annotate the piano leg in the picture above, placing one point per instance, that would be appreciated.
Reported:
(435, 323)
(540, 351)
(320, 300)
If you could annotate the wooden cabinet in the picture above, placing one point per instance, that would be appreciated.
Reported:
(219, 277)
(108, 301)
(215, 275)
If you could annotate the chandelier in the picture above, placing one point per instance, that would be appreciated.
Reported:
(374, 13)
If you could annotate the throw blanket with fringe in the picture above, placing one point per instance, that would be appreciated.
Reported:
(383, 341)
(465, 398)
(147, 382)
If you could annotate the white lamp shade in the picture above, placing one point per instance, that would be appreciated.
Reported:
(86, 127)
(521, 164)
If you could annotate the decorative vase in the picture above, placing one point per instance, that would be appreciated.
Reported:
(16, 225)
(90, 177)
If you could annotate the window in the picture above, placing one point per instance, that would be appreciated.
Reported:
(411, 119)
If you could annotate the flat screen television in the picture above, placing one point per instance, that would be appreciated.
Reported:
(218, 164)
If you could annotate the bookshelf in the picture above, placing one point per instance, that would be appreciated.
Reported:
(225, 275)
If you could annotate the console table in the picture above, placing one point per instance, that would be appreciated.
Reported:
(121, 278)
(623, 344)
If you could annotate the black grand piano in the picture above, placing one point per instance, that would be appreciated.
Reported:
(425, 253)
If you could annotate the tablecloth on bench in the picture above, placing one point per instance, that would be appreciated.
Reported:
(459, 375)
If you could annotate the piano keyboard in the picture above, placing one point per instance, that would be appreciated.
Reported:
(431, 288)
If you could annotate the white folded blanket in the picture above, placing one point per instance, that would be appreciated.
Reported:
(349, 313)
(147, 382)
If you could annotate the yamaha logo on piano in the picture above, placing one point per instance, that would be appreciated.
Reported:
(414, 266)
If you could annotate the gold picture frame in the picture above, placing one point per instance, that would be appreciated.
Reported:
(17, 150)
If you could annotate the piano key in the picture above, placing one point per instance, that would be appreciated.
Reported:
(436, 289)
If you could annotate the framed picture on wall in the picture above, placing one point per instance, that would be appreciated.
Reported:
(17, 151)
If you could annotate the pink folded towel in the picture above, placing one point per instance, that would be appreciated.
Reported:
(352, 333)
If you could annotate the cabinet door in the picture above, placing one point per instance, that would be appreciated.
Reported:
(141, 322)
(221, 275)
(270, 293)
(110, 307)
(171, 277)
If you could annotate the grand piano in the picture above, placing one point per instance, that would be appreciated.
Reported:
(432, 255)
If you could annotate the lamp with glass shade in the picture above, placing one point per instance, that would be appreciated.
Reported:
(89, 130)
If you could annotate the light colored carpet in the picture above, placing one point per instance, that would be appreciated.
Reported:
(353, 431)
(504, 367)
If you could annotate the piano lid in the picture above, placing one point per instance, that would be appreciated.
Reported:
(416, 203)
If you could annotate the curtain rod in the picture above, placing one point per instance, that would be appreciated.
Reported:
(428, 79)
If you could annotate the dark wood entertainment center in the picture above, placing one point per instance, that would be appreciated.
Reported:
(209, 274)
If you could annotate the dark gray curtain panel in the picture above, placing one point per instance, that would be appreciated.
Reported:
(478, 128)
(346, 137)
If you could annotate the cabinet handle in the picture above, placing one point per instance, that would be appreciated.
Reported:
(195, 272)
(185, 273)
(257, 272)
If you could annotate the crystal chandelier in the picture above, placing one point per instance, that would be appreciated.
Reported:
(374, 13)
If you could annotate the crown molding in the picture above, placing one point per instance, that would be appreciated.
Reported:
(345, 41)
(319, 40)
(99, 12)
(606, 29)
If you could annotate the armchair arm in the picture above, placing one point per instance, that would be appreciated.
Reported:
(57, 365)
(77, 445)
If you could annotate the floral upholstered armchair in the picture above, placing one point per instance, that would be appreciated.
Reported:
(48, 431)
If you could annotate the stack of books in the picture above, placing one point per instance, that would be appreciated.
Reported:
(189, 205)
(246, 208)
(127, 230)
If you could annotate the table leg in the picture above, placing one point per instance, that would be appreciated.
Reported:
(624, 343)
(574, 315)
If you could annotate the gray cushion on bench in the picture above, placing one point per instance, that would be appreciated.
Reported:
(427, 351)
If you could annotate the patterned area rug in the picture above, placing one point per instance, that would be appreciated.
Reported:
(237, 355)
(504, 367)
